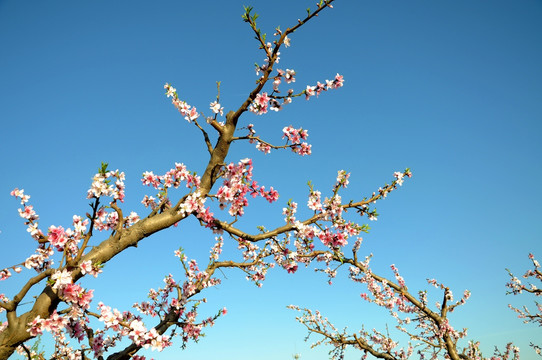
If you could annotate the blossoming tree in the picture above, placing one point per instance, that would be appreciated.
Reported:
(84, 327)
(428, 329)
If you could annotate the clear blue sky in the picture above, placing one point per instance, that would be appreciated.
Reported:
(451, 89)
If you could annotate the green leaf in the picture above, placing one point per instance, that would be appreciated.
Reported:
(246, 15)
(103, 168)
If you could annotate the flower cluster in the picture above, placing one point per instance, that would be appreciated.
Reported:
(342, 179)
(190, 113)
(54, 324)
(331, 209)
(329, 84)
(109, 220)
(217, 249)
(288, 76)
(172, 178)
(332, 239)
(238, 184)
(76, 295)
(260, 146)
(68, 239)
(142, 337)
(28, 214)
(19, 194)
(194, 202)
(253, 254)
(260, 105)
(216, 108)
(364, 340)
(163, 303)
(265, 148)
(517, 287)
(57, 237)
(87, 267)
(294, 137)
(195, 278)
(315, 201)
(263, 102)
(289, 212)
(112, 318)
(41, 260)
(103, 186)
(380, 293)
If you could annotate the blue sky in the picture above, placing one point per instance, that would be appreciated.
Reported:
(451, 89)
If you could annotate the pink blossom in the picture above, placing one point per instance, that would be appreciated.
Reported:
(20, 194)
(54, 324)
(111, 318)
(319, 88)
(205, 215)
(342, 178)
(131, 219)
(192, 115)
(33, 230)
(303, 149)
(57, 237)
(88, 268)
(286, 41)
(260, 104)
(277, 82)
(271, 195)
(79, 224)
(399, 176)
(309, 91)
(215, 107)
(314, 202)
(291, 267)
(5, 274)
(275, 105)
(61, 279)
(289, 76)
(138, 331)
(28, 213)
(150, 179)
(170, 90)
(333, 240)
(263, 147)
(101, 186)
(149, 201)
(35, 326)
(98, 345)
(193, 202)
(338, 82)
(75, 294)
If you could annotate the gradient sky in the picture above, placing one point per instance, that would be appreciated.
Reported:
(451, 89)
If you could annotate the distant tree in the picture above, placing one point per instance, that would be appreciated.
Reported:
(63, 256)
(428, 328)
(516, 287)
